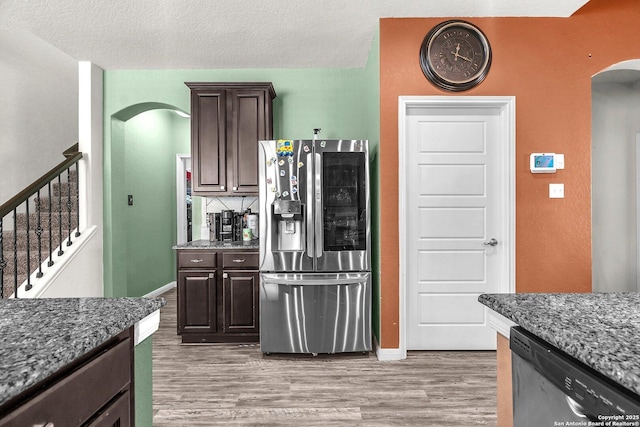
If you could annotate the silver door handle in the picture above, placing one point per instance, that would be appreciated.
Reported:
(319, 220)
(309, 208)
(314, 280)
(492, 242)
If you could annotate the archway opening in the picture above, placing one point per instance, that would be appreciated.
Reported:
(140, 197)
(615, 168)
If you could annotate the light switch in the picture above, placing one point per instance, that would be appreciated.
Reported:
(556, 191)
(559, 159)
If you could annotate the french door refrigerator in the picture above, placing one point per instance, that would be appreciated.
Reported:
(315, 246)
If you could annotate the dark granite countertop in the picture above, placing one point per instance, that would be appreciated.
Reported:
(602, 330)
(206, 244)
(39, 336)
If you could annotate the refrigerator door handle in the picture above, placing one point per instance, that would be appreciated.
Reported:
(318, 205)
(317, 281)
(309, 209)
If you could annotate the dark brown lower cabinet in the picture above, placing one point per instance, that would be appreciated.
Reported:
(116, 414)
(95, 390)
(197, 301)
(241, 299)
(218, 296)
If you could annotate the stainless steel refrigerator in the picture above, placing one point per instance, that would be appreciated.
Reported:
(315, 246)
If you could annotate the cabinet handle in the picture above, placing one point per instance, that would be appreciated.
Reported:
(196, 260)
(225, 276)
(235, 188)
(222, 187)
(210, 275)
(238, 260)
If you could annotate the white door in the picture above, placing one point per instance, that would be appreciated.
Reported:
(457, 220)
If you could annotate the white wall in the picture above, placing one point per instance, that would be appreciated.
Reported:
(41, 94)
(615, 122)
(83, 273)
(38, 109)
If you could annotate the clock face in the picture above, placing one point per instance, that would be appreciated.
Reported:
(455, 56)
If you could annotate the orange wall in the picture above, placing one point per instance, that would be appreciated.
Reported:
(547, 64)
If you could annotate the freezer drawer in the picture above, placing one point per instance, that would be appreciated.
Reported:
(315, 313)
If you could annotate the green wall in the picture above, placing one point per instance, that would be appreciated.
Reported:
(140, 159)
(336, 100)
(143, 383)
(152, 140)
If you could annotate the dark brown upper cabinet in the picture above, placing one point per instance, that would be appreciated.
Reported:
(227, 121)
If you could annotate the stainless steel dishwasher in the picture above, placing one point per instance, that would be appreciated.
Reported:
(551, 388)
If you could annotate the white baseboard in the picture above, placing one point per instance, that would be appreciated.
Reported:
(388, 354)
(162, 290)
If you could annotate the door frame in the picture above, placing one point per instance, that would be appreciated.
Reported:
(638, 211)
(507, 131)
(181, 197)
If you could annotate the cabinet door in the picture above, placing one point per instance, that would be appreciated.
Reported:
(249, 123)
(76, 397)
(196, 302)
(240, 297)
(208, 140)
(117, 414)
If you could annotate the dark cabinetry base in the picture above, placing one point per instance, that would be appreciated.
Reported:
(218, 296)
(95, 390)
(220, 338)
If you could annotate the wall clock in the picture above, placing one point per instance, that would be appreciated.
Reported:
(455, 56)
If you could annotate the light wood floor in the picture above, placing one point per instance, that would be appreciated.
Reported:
(208, 385)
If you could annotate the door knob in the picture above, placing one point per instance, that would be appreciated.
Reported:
(492, 242)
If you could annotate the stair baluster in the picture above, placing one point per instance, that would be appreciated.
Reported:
(29, 285)
(77, 202)
(39, 231)
(15, 252)
(69, 205)
(60, 251)
(50, 263)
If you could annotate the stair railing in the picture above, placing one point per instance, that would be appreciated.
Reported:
(18, 207)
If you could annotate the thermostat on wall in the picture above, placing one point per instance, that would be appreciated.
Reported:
(543, 162)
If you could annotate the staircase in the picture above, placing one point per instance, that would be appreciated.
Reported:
(35, 233)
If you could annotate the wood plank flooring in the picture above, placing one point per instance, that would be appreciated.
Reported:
(231, 384)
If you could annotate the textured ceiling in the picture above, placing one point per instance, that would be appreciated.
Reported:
(210, 34)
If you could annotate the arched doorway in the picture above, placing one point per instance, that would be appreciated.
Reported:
(615, 168)
(140, 197)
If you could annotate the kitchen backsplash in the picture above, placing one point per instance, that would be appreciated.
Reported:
(238, 204)
(205, 205)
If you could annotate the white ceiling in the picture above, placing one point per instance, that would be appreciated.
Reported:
(211, 34)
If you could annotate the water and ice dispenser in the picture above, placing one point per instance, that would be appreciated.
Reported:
(289, 219)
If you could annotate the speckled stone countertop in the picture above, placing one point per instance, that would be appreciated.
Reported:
(39, 336)
(602, 330)
(206, 244)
